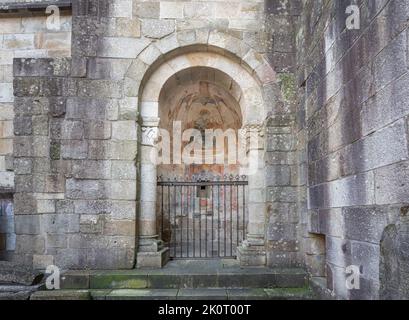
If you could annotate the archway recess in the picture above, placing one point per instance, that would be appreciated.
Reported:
(247, 91)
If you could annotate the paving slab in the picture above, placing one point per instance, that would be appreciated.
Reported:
(118, 281)
(247, 294)
(142, 294)
(202, 294)
(61, 295)
(99, 294)
(289, 294)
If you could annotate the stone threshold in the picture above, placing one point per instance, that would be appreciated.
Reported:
(178, 294)
(177, 275)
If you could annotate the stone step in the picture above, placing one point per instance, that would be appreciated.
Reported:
(61, 295)
(182, 279)
(177, 294)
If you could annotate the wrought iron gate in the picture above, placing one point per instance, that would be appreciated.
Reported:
(203, 217)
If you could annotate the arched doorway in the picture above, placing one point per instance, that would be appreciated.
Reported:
(178, 89)
(202, 194)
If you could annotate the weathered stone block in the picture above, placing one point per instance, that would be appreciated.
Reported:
(122, 190)
(40, 125)
(41, 262)
(72, 130)
(122, 150)
(92, 109)
(113, 69)
(391, 184)
(124, 130)
(74, 149)
(121, 47)
(56, 67)
(6, 92)
(61, 224)
(146, 10)
(91, 224)
(45, 206)
(27, 225)
(64, 207)
(350, 191)
(199, 10)
(387, 69)
(171, 10)
(278, 176)
(386, 106)
(92, 207)
(283, 194)
(338, 252)
(124, 170)
(18, 41)
(89, 169)
(280, 142)
(97, 130)
(281, 232)
(121, 8)
(23, 126)
(120, 228)
(156, 29)
(100, 88)
(30, 244)
(24, 203)
(86, 189)
(365, 224)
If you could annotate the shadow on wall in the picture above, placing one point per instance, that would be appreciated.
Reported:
(7, 232)
(394, 263)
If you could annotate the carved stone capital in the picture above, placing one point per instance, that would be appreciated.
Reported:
(149, 136)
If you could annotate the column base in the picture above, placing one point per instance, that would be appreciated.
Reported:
(151, 253)
(252, 255)
(152, 259)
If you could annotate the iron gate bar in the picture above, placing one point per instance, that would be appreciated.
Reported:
(184, 193)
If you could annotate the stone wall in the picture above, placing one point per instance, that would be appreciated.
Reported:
(336, 137)
(23, 36)
(78, 123)
(353, 116)
(283, 233)
(394, 260)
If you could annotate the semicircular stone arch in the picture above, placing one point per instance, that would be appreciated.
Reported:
(253, 107)
(160, 62)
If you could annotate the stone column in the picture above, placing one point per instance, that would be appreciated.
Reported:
(253, 251)
(151, 252)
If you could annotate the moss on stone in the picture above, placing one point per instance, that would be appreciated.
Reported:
(118, 282)
(55, 150)
(287, 84)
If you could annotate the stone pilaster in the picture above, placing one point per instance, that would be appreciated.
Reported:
(253, 250)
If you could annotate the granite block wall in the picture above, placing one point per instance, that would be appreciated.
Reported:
(352, 117)
(77, 124)
(22, 34)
